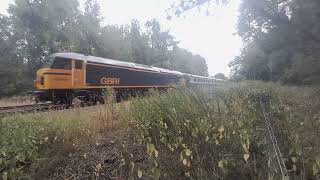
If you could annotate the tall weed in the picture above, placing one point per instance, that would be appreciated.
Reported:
(189, 134)
(28, 142)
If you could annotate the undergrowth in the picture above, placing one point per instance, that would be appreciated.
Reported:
(34, 144)
(223, 135)
(217, 133)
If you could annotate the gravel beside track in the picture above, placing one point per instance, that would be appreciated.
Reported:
(21, 109)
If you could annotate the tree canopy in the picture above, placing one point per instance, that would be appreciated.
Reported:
(35, 29)
(281, 39)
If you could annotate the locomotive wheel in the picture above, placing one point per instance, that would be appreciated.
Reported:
(35, 99)
(101, 98)
(76, 102)
(91, 100)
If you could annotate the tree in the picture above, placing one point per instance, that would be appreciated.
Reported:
(279, 37)
(139, 48)
(35, 29)
(285, 33)
(179, 7)
(40, 28)
(184, 61)
(89, 29)
(160, 42)
(11, 66)
(220, 76)
(114, 44)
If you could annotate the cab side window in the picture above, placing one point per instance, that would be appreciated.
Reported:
(61, 63)
(78, 64)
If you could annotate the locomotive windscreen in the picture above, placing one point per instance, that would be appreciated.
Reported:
(57, 63)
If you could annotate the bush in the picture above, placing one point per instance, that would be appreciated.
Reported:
(223, 134)
(217, 133)
(31, 144)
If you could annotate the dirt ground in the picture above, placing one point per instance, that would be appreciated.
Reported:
(104, 160)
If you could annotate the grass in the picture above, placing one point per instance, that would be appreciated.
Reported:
(183, 134)
(29, 142)
(189, 134)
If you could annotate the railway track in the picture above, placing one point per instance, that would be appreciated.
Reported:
(22, 109)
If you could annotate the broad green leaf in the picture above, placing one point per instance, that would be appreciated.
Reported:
(220, 164)
(156, 173)
(132, 165)
(221, 129)
(315, 169)
(207, 138)
(184, 162)
(150, 149)
(188, 152)
(318, 161)
(294, 167)
(156, 153)
(246, 157)
(294, 159)
(139, 173)
(4, 175)
(98, 167)
(217, 142)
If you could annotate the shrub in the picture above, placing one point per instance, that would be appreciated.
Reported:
(223, 135)
(29, 142)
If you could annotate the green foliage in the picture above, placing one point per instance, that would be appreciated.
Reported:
(189, 134)
(35, 29)
(182, 134)
(12, 69)
(181, 6)
(220, 76)
(282, 41)
(185, 61)
(28, 141)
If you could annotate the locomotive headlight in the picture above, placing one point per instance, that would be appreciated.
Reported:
(42, 80)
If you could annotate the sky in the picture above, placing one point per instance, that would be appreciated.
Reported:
(211, 36)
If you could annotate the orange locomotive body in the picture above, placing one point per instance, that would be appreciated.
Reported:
(67, 76)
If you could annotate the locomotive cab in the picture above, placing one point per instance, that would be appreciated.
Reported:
(60, 73)
(58, 79)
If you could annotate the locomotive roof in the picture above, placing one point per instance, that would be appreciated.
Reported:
(113, 62)
(123, 64)
(203, 77)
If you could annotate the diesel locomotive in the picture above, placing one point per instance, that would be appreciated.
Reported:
(69, 76)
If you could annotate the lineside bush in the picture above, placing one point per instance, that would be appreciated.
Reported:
(191, 135)
(215, 133)
(33, 144)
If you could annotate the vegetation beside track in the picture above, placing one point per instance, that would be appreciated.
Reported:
(177, 135)
(35, 145)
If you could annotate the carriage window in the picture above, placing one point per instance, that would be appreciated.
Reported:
(61, 63)
(78, 64)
